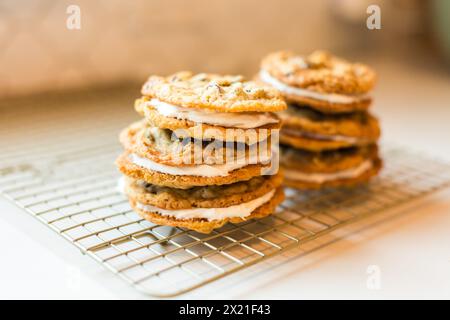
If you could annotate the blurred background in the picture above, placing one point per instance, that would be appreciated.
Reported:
(66, 92)
(48, 62)
(125, 41)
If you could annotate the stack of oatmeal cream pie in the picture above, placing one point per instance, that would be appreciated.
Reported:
(329, 137)
(203, 154)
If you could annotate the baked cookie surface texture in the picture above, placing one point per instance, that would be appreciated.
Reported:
(329, 135)
(204, 153)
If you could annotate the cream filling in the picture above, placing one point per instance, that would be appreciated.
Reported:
(240, 210)
(202, 170)
(318, 136)
(242, 120)
(323, 177)
(329, 97)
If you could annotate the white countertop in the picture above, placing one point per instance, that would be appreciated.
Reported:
(409, 245)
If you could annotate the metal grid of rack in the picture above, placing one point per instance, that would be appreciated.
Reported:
(57, 164)
(77, 197)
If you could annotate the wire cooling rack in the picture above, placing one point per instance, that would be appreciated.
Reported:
(78, 198)
(57, 164)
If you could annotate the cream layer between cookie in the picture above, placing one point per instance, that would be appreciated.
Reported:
(202, 170)
(318, 136)
(329, 97)
(240, 120)
(323, 177)
(237, 211)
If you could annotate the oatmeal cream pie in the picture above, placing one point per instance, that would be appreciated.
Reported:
(182, 167)
(159, 157)
(344, 167)
(308, 129)
(205, 208)
(204, 106)
(319, 80)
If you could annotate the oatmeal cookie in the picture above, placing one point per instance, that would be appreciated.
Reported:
(337, 183)
(295, 140)
(165, 147)
(215, 196)
(130, 169)
(305, 128)
(215, 92)
(320, 80)
(207, 226)
(312, 170)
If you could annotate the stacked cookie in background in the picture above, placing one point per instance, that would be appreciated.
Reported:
(202, 155)
(329, 138)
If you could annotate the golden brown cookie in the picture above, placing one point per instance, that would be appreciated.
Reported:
(165, 147)
(204, 225)
(305, 128)
(343, 182)
(135, 171)
(320, 80)
(214, 92)
(205, 131)
(204, 196)
(360, 104)
(290, 139)
(346, 167)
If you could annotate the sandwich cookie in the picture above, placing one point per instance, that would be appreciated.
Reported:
(204, 106)
(320, 80)
(307, 129)
(345, 167)
(183, 169)
(205, 208)
(329, 136)
(157, 156)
